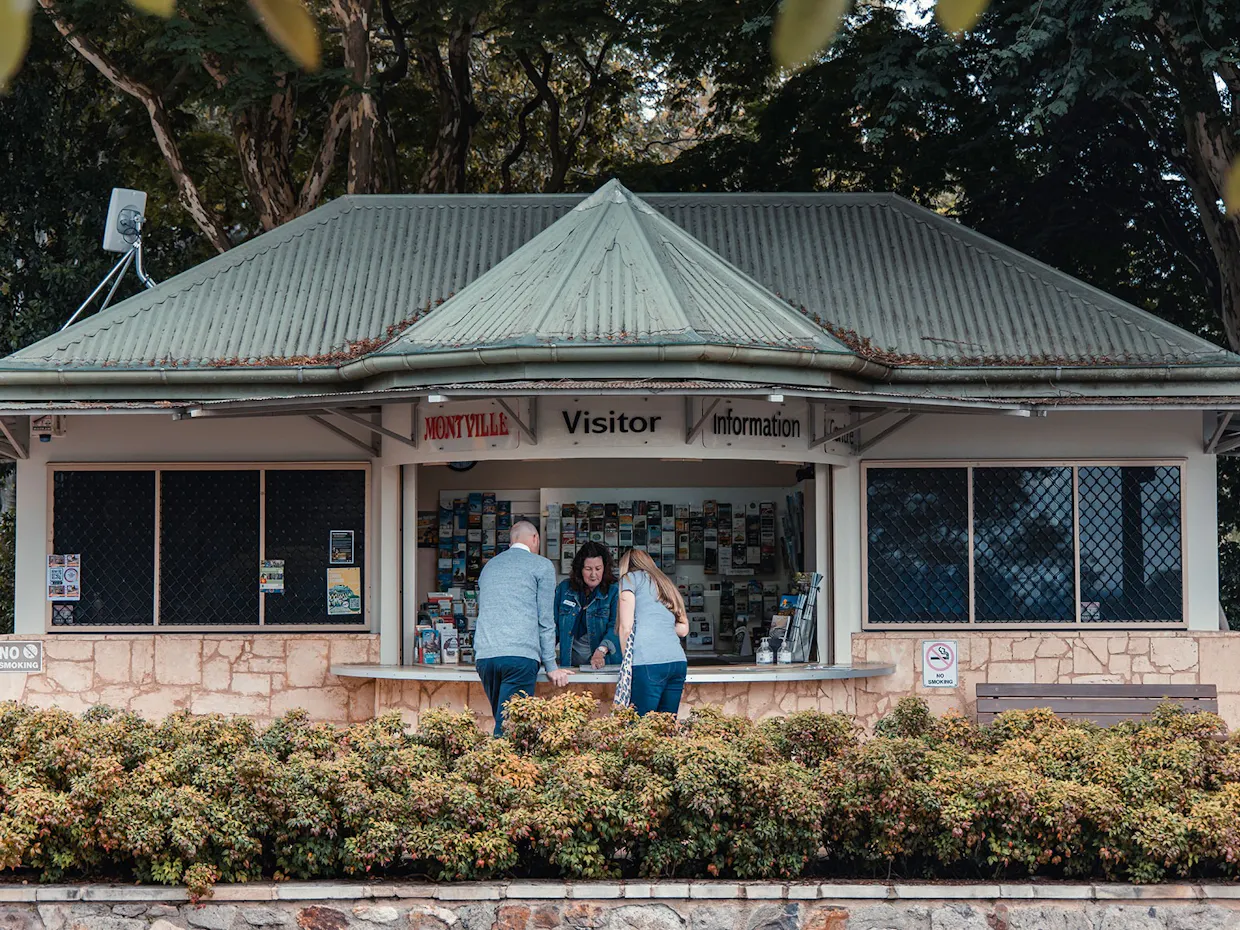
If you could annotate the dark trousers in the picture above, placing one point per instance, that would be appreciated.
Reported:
(658, 687)
(505, 676)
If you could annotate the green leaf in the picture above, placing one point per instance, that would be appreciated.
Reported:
(958, 16)
(1231, 188)
(163, 8)
(292, 27)
(803, 28)
(14, 37)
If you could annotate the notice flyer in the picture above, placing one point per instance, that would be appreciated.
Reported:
(428, 529)
(64, 577)
(344, 592)
(271, 576)
(340, 547)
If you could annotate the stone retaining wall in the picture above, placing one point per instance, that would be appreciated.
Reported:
(1050, 656)
(756, 700)
(265, 675)
(626, 906)
(154, 674)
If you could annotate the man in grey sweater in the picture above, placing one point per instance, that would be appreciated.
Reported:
(516, 621)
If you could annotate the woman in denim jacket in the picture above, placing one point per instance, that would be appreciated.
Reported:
(585, 610)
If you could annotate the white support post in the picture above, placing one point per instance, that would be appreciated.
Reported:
(410, 583)
(389, 563)
(397, 419)
(822, 560)
(33, 534)
(847, 541)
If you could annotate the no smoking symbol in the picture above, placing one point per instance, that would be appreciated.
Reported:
(940, 657)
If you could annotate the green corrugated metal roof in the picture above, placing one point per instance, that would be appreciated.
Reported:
(880, 272)
(614, 271)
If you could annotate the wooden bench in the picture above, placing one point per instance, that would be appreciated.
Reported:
(1102, 704)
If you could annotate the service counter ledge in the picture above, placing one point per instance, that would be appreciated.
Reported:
(698, 674)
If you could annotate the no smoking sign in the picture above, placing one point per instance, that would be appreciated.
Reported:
(940, 665)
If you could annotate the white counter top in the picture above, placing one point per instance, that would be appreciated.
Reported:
(698, 674)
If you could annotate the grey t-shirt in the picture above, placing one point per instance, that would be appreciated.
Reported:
(654, 641)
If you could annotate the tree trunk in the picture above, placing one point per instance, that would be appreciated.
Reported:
(446, 168)
(1210, 152)
(263, 138)
(187, 191)
(1212, 146)
(364, 143)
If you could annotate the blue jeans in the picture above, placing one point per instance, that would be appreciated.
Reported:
(658, 687)
(502, 678)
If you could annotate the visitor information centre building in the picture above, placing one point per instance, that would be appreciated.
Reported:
(927, 461)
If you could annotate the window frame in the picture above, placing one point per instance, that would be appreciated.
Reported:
(364, 625)
(974, 625)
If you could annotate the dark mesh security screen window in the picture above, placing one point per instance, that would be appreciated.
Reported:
(1024, 564)
(208, 550)
(303, 507)
(108, 517)
(1115, 533)
(918, 540)
(1130, 544)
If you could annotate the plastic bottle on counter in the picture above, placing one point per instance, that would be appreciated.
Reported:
(765, 656)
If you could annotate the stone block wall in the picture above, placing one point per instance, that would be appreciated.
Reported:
(1111, 656)
(1049, 656)
(757, 700)
(265, 675)
(261, 675)
(669, 905)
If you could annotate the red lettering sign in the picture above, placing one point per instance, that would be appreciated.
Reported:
(444, 426)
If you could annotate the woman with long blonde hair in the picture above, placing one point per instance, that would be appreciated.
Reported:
(652, 612)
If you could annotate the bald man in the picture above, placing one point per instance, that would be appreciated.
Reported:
(516, 621)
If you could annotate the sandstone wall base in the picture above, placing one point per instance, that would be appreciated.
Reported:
(626, 906)
(756, 700)
(254, 675)
(265, 675)
(1052, 657)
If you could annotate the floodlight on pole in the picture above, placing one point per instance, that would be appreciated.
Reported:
(123, 234)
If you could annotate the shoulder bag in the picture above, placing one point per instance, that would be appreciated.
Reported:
(624, 684)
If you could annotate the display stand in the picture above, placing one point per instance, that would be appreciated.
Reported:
(803, 621)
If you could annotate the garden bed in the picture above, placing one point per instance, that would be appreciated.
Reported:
(202, 800)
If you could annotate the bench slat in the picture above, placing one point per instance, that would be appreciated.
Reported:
(1074, 706)
(1105, 720)
(1104, 704)
(1097, 690)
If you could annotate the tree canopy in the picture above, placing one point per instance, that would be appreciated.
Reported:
(1100, 136)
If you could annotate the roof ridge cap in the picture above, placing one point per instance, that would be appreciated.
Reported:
(749, 280)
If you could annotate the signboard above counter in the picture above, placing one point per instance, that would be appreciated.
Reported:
(612, 422)
(467, 426)
(668, 423)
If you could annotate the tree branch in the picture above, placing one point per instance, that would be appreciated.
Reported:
(320, 172)
(453, 83)
(591, 96)
(542, 84)
(191, 198)
(523, 138)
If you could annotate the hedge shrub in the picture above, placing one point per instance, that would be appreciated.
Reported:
(201, 800)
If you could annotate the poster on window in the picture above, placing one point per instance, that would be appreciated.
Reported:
(344, 592)
(271, 576)
(340, 547)
(64, 577)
